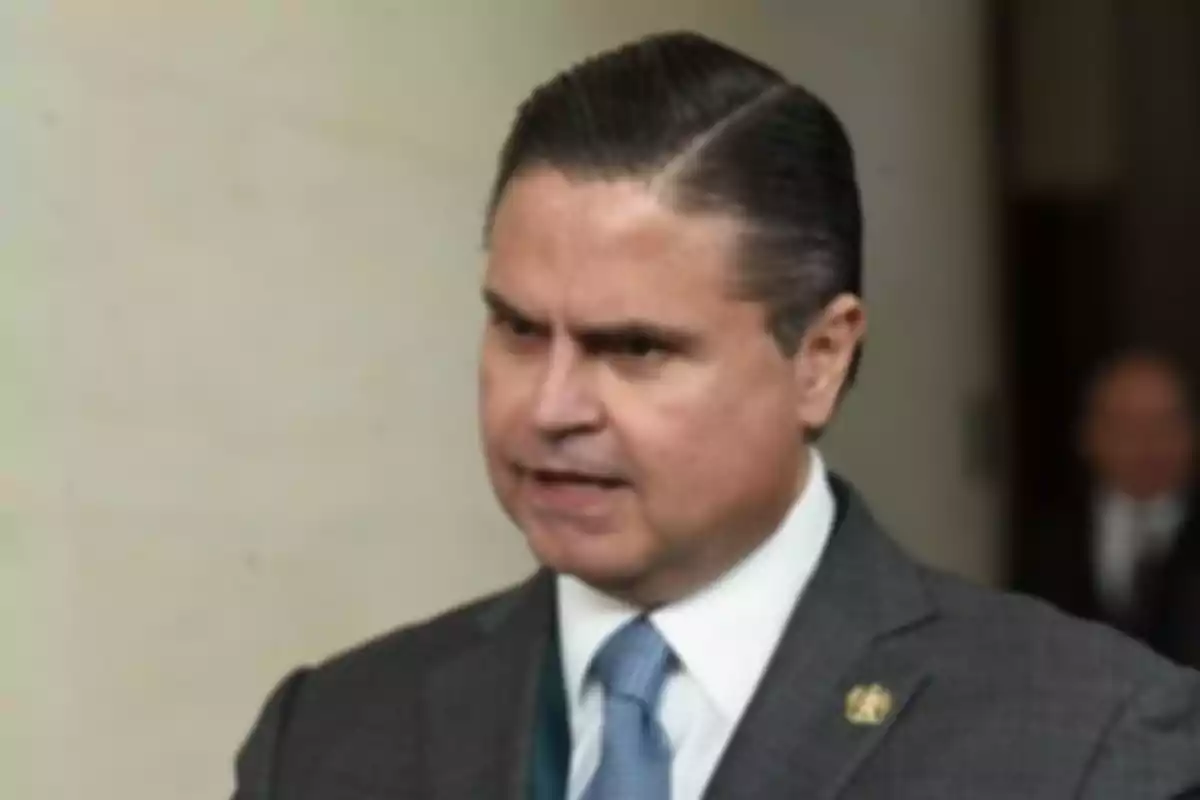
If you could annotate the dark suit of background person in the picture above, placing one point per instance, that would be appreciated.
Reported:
(1126, 552)
(673, 283)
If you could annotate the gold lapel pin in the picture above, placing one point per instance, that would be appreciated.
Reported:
(868, 705)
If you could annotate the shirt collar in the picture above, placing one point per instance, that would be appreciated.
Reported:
(1157, 520)
(709, 631)
(1166, 510)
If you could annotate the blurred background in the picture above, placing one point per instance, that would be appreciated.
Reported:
(239, 253)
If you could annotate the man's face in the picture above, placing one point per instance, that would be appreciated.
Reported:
(640, 424)
(1140, 435)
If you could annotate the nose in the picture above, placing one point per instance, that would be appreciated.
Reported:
(566, 401)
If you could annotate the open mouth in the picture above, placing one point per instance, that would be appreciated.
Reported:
(550, 477)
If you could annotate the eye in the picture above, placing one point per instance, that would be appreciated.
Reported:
(513, 326)
(520, 328)
(639, 347)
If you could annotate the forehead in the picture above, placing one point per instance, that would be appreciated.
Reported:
(597, 248)
(1141, 390)
(1141, 383)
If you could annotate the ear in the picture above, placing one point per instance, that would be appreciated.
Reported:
(822, 361)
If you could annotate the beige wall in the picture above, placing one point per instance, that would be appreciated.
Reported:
(238, 260)
(908, 78)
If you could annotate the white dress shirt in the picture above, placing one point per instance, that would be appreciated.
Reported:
(724, 637)
(1126, 532)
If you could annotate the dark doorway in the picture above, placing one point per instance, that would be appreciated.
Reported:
(1097, 143)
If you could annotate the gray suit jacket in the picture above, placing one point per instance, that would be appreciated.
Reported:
(994, 696)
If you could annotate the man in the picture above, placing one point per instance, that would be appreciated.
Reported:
(673, 284)
(1128, 552)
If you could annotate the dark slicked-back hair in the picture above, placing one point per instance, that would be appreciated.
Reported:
(714, 131)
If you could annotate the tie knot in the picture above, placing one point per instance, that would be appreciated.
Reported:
(634, 663)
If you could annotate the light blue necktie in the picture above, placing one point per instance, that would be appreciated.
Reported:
(635, 757)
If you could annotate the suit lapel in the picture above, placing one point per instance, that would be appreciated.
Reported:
(800, 736)
(480, 708)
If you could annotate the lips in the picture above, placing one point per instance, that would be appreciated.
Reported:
(571, 494)
(553, 477)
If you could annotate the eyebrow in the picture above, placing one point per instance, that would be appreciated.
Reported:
(507, 310)
(602, 336)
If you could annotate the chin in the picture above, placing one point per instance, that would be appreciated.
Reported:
(602, 561)
(613, 579)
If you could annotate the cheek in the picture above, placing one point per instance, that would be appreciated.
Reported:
(498, 427)
(503, 391)
(698, 449)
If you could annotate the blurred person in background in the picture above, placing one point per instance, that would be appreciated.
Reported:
(1127, 552)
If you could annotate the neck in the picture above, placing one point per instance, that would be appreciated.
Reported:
(1142, 497)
